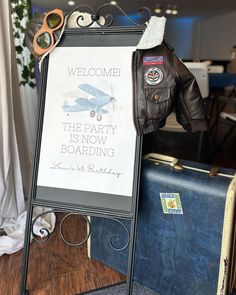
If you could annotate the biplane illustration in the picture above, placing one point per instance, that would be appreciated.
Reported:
(95, 104)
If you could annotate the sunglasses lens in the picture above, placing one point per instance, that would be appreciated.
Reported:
(44, 40)
(53, 20)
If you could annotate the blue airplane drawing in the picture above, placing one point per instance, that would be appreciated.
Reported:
(94, 105)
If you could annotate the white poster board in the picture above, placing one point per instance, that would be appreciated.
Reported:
(88, 138)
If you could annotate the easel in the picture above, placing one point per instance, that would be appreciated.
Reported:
(109, 36)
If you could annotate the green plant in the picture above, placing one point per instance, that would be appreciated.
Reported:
(21, 11)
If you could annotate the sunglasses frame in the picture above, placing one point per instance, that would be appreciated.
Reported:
(46, 29)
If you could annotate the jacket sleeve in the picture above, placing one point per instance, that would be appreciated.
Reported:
(190, 107)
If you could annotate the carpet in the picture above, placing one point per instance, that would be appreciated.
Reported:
(120, 289)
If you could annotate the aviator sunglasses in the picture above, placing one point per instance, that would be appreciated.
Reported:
(43, 39)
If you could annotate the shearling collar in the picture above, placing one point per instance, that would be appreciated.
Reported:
(154, 33)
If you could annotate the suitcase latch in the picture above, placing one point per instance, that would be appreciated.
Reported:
(214, 171)
(178, 167)
(175, 164)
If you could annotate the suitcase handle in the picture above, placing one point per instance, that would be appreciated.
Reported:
(158, 158)
(174, 163)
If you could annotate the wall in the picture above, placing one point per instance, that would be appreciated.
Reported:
(202, 39)
(179, 33)
(213, 38)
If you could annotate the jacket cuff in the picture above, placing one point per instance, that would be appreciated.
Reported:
(196, 125)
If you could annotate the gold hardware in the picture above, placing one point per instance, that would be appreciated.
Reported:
(156, 97)
(178, 167)
(214, 171)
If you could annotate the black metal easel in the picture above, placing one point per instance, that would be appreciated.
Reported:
(71, 209)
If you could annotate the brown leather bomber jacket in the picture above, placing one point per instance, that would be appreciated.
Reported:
(162, 84)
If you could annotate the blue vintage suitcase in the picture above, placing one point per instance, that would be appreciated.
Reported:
(186, 229)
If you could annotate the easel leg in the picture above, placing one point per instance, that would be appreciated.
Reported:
(24, 272)
(131, 261)
(133, 231)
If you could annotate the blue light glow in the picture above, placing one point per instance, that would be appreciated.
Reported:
(123, 20)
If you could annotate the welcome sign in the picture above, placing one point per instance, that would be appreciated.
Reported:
(88, 137)
(87, 157)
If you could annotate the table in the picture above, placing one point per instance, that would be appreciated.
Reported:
(222, 80)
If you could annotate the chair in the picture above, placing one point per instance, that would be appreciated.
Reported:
(229, 119)
(226, 115)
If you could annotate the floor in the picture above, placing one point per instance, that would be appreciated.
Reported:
(55, 268)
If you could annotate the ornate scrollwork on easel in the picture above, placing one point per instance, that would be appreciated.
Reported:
(88, 230)
(43, 231)
(109, 18)
(114, 239)
(46, 233)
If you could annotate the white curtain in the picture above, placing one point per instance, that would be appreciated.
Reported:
(11, 182)
(14, 150)
(29, 98)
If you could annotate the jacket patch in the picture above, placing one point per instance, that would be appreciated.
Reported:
(153, 60)
(153, 76)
